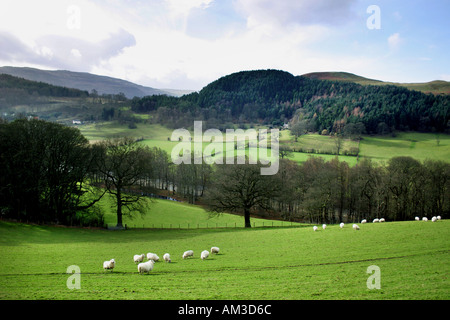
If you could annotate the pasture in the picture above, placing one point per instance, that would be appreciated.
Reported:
(420, 146)
(166, 214)
(285, 263)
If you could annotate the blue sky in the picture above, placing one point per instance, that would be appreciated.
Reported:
(186, 44)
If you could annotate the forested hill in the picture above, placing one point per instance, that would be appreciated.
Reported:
(275, 97)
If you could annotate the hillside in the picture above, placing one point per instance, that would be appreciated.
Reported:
(274, 97)
(434, 87)
(22, 97)
(83, 81)
(319, 102)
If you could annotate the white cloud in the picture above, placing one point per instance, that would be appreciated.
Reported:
(394, 40)
(76, 53)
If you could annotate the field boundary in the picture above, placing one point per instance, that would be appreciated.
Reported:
(195, 226)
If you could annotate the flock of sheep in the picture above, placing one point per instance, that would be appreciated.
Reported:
(356, 227)
(146, 267)
(434, 219)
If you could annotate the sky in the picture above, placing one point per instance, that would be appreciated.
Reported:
(186, 44)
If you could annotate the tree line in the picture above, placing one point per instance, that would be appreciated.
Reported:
(51, 173)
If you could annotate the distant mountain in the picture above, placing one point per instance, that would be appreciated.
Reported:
(435, 87)
(85, 81)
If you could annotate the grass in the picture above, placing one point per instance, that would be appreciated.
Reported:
(420, 146)
(261, 263)
(172, 215)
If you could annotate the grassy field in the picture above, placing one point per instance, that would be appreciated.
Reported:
(261, 263)
(420, 146)
(172, 215)
(378, 148)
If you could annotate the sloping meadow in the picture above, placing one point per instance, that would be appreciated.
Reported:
(411, 260)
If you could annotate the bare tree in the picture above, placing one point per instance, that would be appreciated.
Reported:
(124, 164)
(240, 188)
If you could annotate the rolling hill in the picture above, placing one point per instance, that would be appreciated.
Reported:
(434, 87)
(85, 81)
(276, 97)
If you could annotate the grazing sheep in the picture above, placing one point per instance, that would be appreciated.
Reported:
(204, 254)
(138, 258)
(355, 227)
(376, 220)
(363, 221)
(166, 257)
(324, 226)
(438, 217)
(341, 225)
(109, 264)
(215, 250)
(188, 253)
(417, 218)
(424, 219)
(145, 266)
(152, 256)
(433, 219)
(315, 228)
(382, 220)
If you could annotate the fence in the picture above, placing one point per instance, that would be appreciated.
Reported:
(234, 225)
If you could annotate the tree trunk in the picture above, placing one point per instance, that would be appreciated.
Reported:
(247, 218)
(119, 209)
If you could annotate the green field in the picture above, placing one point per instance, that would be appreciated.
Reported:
(420, 146)
(168, 214)
(378, 148)
(260, 263)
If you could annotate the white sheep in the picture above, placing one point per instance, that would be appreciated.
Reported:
(382, 220)
(424, 219)
(376, 220)
(138, 258)
(324, 226)
(417, 218)
(363, 221)
(355, 226)
(152, 256)
(188, 253)
(438, 217)
(109, 264)
(315, 228)
(433, 219)
(166, 257)
(215, 250)
(341, 225)
(204, 254)
(145, 266)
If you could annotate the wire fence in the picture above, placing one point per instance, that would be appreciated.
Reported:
(189, 226)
